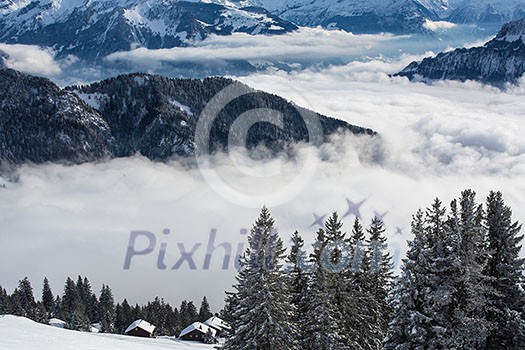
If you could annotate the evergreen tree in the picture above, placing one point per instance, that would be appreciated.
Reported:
(204, 310)
(505, 268)
(297, 274)
(262, 317)
(107, 310)
(425, 308)
(23, 300)
(124, 316)
(321, 328)
(231, 304)
(472, 287)
(191, 313)
(48, 300)
(184, 314)
(380, 274)
(4, 299)
(72, 311)
(41, 314)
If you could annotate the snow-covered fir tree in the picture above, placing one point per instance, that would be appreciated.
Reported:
(422, 298)
(320, 324)
(48, 300)
(377, 279)
(107, 310)
(472, 287)
(297, 274)
(262, 318)
(505, 268)
(23, 301)
(204, 310)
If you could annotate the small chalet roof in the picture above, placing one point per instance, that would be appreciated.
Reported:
(201, 327)
(142, 325)
(217, 323)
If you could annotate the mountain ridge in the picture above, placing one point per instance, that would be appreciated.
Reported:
(135, 113)
(500, 61)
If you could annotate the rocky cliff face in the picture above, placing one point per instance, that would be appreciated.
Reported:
(501, 60)
(136, 113)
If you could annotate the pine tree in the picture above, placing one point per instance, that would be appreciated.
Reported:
(107, 310)
(425, 305)
(4, 299)
(48, 300)
(231, 304)
(377, 279)
(124, 316)
(472, 287)
(184, 314)
(192, 314)
(297, 275)
(262, 318)
(322, 329)
(72, 311)
(411, 326)
(204, 310)
(24, 300)
(505, 268)
(41, 315)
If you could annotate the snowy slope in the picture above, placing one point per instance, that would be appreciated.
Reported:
(17, 333)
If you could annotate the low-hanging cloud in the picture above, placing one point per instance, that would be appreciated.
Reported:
(306, 44)
(437, 26)
(31, 59)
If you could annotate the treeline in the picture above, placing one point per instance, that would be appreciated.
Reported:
(80, 308)
(461, 285)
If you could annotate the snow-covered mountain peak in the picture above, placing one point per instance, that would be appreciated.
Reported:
(512, 31)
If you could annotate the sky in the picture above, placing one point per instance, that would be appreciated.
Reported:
(435, 141)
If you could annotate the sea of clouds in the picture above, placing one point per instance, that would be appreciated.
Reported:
(435, 140)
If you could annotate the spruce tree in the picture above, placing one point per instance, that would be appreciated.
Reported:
(262, 317)
(465, 225)
(107, 310)
(505, 269)
(48, 300)
(378, 280)
(204, 310)
(4, 298)
(24, 300)
(73, 312)
(124, 316)
(297, 275)
(321, 327)
(424, 302)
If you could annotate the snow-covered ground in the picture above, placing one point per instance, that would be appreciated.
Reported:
(18, 333)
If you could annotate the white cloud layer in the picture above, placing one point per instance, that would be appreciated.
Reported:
(31, 59)
(438, 26)
(305, 44)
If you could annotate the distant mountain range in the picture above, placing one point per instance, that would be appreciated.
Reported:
(135, 114)
(93, 29)
(499, 61)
